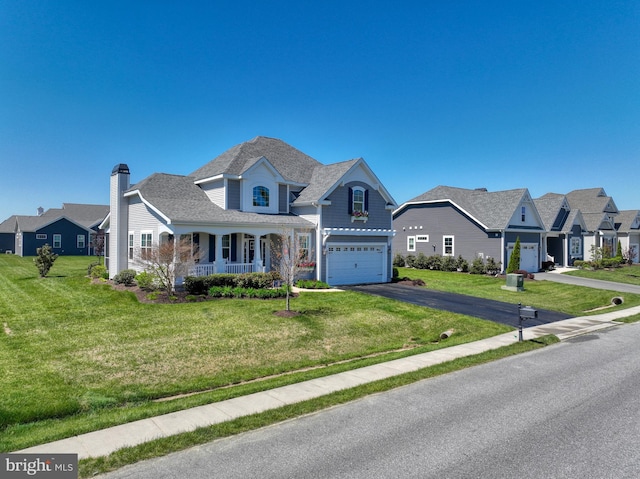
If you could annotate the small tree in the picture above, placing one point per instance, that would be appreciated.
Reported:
(514, 260)
(97, 243)
(168, 261)
(290, 251)
(629, 255)
(44, 259)
(619, 252)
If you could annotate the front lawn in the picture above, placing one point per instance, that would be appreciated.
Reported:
(86, 355)
(566, 298)
(624, 274)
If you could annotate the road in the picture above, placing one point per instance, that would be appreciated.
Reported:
(570, 410)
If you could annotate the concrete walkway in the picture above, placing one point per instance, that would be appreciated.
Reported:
(557, 276)
(106, 441)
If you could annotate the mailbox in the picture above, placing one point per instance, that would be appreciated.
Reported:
(528, 313)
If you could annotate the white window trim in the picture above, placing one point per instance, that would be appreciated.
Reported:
(444, 245)
(57, 239)
(41, 236)
(130, 245)
(81, 241)
(227, 248)
(577, 241)
(145, 248)
(254, 197)
(353, 200)
(422, 238)
(411, 243)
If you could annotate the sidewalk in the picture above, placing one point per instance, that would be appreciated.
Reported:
(106, 441)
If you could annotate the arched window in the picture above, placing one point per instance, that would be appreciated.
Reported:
(260, 196)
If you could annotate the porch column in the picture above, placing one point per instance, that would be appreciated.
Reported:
(219, 262)
(257, 251)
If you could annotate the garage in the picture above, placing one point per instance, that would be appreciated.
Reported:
(528, 256)
(350, 263)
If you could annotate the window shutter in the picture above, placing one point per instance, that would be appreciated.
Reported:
(350, 201)
(366, 200)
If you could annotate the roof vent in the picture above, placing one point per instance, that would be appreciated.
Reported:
(481, 189)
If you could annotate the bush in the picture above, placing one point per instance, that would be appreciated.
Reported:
(147, 281)
(396, 273)
(410, 261)
(125, 277)
(90, 267)
(492, 267)
(478, 267)
(421, 261)
(44, 259)
(99, 271)
(449, 264)
(398, 260)
(435, 262)
(462, 264)
(312, 284)
(256, 280)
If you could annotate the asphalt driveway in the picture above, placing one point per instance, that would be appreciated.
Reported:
(497, 311)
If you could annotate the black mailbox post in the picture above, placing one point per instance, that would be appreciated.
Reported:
(523, 314)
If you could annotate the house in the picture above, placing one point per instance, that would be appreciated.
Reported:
(237, 205)
(68, 230)
(451, 221)
(599, 212)
(628, 229)
(564, 227)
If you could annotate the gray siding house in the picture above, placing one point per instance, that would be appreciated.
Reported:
(565, 228)
(599, 212)
(237, 205)
(68, 230)
(451, 221)
(628, 229)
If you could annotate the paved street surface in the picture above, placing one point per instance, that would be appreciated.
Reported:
(496, 311)
(567, 411)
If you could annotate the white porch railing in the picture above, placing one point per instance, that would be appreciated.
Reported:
(233, 268)
(239, 268)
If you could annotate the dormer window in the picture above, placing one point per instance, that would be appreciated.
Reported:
(358, 199)
(261, 196)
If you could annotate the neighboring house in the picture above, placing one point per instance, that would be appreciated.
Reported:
(237, 205)
(564, 227)
(599, 213)
(628, 228)
(68, 230)
(450, 221)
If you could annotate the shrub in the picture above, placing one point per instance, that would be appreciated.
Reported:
(126, 277)
(396, 273)
(462, 264)
(99, 271)
(421, 261)
(435, 262)
(614, 262)
(578, 263)
(312, 284)
(44, 259)
(514, 260)
(147, 280)
(449, 264)
(90, 267)
(255, 280)
(398, 260)
(492, 267)
(410, 261)
(478, 267)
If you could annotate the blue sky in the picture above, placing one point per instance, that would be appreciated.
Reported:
(496, 94)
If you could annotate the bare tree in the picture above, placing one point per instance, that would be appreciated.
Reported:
(97, 242)
(630, 254)
(169, 260)
(290, 251)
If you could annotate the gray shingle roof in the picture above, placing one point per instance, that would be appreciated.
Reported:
(180, 200)
(626, 220)
(492, 209)
(323, 178)
(83, 215)
(292, 164)
(548, 207)
(590, 200)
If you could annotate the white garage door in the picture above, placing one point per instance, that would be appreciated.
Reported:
(350, 263)
(528, 256)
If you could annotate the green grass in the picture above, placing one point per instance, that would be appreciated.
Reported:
(626, 274)
(161, 447)
(78, 357)
(574, 300)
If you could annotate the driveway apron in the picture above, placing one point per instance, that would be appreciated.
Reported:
(497, 311)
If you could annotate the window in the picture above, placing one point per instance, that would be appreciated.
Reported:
(575, 246)
(303, 252)
(447, 245)
(226, 246)
(523, 212)
(41, 236)
(411, 243)
(145, 245)
(57, 241)
(358, 200)
(81, 241)
(260, 196)
(130, 246)
(422, 238)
